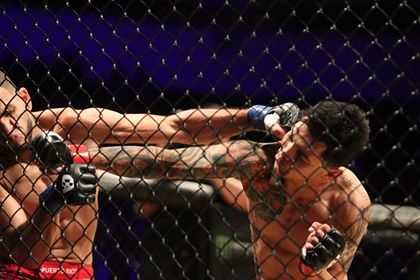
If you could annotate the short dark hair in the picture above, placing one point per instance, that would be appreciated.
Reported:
(6, 82)
(343, 127)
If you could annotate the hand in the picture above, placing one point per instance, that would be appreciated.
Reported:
(75, 185)
(50, 152)
(78, 184)
(277, 120)
(322, 248)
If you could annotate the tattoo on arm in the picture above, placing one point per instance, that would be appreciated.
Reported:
(354, 236)
(355, 231)
(186, 163)
(354, 225)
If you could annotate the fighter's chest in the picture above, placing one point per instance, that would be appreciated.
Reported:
(289, 229)
(267, 197)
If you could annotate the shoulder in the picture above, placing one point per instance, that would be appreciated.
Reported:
(49, 118)
(353, 189)
(263, 151)
(68, 113)
(62, 120)
(52, 112)
(242, 146)
(352, 202)
(251, 157)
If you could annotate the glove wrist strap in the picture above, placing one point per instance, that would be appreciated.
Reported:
(51, 200)
(307, 271)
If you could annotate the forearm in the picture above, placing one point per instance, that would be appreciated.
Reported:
(154, 162)
(337, 271)
(195, 126)
(205, 126)
(175, 194)
(129, 161)
(231, 191)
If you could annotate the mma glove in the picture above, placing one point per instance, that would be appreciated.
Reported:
(264, 117)
(75, 184)
(50, 152)
(324, 254)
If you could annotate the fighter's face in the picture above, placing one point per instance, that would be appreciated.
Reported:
(15, 121)
(300, 157)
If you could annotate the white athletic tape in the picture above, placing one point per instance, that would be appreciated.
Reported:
(270, 120)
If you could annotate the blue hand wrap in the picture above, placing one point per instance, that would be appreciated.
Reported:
(256, 115)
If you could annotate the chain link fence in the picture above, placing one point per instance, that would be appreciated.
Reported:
(163, 56)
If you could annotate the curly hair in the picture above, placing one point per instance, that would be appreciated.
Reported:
(343, 127)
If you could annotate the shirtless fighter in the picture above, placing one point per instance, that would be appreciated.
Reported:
(308, 213)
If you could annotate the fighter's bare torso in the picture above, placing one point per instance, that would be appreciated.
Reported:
(74, 226)
(280, 231)
(277, 242)
(73, 242)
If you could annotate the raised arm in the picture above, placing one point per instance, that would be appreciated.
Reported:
(195, 126)
(239, 159)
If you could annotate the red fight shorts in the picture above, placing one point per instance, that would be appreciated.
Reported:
(16, 272)
(48, 270)
(65, 271)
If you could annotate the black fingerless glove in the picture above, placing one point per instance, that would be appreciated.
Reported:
(50, 152)
(325, 252)
(76, 183)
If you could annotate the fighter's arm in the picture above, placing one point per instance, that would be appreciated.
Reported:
(351, 218)
(26, 241)
(195, 126)
(239, 159)
(232, 191)
(200, 126)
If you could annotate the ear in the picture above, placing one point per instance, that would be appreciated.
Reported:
(24, 95)
(331, 174)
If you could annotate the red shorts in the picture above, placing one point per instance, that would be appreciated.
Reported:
(48, 270)
(16, 272)
(65, 271)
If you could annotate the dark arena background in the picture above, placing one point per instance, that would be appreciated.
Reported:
(164, 56)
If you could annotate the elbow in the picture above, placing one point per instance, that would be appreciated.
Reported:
(177, 135)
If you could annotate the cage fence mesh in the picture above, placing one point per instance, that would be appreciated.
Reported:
(162, 57)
